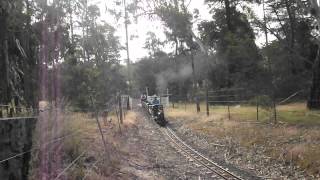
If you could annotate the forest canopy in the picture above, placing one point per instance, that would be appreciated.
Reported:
(61, 50)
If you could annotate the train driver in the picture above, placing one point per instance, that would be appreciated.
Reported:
(156, 101)
(143, 97)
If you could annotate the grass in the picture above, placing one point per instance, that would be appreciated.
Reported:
(295, 141)
(82, 135)
(90, 139)
(295, 113)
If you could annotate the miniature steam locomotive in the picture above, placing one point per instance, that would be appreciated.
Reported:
(155, 109)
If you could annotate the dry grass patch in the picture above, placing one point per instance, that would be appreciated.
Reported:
(130, 118)
(287, 144)
(295, 113)
(85, 137)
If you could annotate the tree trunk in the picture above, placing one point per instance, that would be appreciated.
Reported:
(71, 22)
(291, 15)
(314, 96)
(265, 24)
(291, 39)
(7, 73)
(194, 86)
(29, 63)
(228, 14)
(127, 43)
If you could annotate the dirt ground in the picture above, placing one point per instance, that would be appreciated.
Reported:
(138, 151)
(149, 154)
(141, 151)
(146, 154)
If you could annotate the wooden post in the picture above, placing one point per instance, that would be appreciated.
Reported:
(10, 111)
(1, 114)
(128, 103)
(120, 109)
(257, 103)
(207, 100)
(17, 109)
(105, 118)
(123, 114)
(197, 105)
(118, 120)
(229, 116)
(99, 126)
(7, 109)
(275, 111)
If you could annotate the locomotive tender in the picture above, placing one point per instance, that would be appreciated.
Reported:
(154, 108)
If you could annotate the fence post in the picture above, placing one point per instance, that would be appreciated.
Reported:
(105, 118)
(10, 111)
(118, 120)
(128, 103)
(124, 110)
(275, 111)
(257, 103)
(207, 100)
(168, 98)
(99, 126)
(197, 104)
(120, 109)
(1, 115)
(229, 116)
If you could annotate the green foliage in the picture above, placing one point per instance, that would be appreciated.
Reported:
(290, 74)
(18, 53)
(84, 79)
(238, 60)
(91, 67)
(178, 22)
(176, 19)
(153, 44)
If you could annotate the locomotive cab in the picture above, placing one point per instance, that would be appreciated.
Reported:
(153, 105)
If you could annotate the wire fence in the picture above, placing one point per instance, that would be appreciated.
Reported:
(12, 111)
(236, 104)
(118, 106)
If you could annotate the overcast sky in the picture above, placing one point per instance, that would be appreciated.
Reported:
(144, 25)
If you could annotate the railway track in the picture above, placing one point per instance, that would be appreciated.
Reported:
(213, 169)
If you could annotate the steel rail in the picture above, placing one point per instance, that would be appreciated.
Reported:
(209, 164)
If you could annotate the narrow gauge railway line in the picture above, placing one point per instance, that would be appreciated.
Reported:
(156, 112)
(215, 169)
